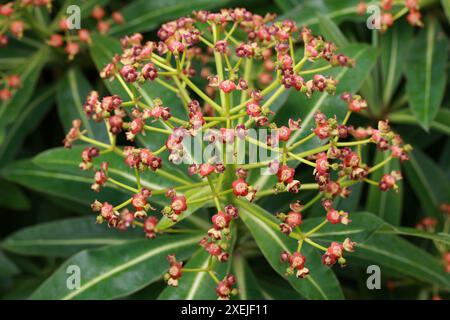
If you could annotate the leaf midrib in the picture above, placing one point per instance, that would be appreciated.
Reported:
(126, 265)
(270, 232)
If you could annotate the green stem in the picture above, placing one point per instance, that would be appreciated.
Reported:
(317, 228)
(122, 185)
(316, 245)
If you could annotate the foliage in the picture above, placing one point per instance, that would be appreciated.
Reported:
(47, 224)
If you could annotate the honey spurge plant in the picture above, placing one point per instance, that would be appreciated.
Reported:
(334, 165)
(229, 153)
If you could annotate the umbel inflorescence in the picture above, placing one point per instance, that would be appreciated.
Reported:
(235, 43)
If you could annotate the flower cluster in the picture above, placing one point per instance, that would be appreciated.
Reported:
(227, 99)
(71, 43)
(11, 17)
(15, 13)
(411, 7)
(10, 84)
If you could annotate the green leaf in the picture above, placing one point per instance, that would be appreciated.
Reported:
(440, 123)
(426, 80)
(385, 204)
(15, 54)
(286, 5)
(192, 194)
(331, 31)
(362, 226)
(64, 238)
(446, 6)
(321, 283)
(247, 283)
(196, 285)
(429, 182)
(118, 270)
(67, 160)
(7, 267)
(396, 254)
(395, 46)
(69, 186)
(25, 123)
(29, 73)
(12, 197)
(72, 93)
(305, 12)
(412, 232)
(143, 15)
(278, 291)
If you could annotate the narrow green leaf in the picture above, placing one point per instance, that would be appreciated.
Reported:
(7, 267)
(247, 283)
(196, 285)
(286, 5)
(412, 232)
(440, 123)
(446, 5)
(386, 204)
(396, 254)
(143, 15)
(362, 226)
(72, 93)
(395, 46)
(428, 181)
(118, 270)
(67, 160)
(29, 73)
(69, 186)
(331, 31)
(426, 82)
(305, 12)
(25, 123)
(321, 283)
(12, 197)
(64, 238)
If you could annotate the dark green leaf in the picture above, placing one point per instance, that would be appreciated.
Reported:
(412, 232)
(395, 46)
(321, 283)
(64, 238)
(446, 6)
(406, 259)
(386, 204)
(69, 186)
(362, 226)
(196, 285)
(426, 80)
(440, 123)
(143, 15)
(25, 123)
(118, 270)
(428, 181)
(331, 31)
(12, 197)
(72, 93)
(7, 267)
(67, 160)
(29, 73)
(249, 288)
